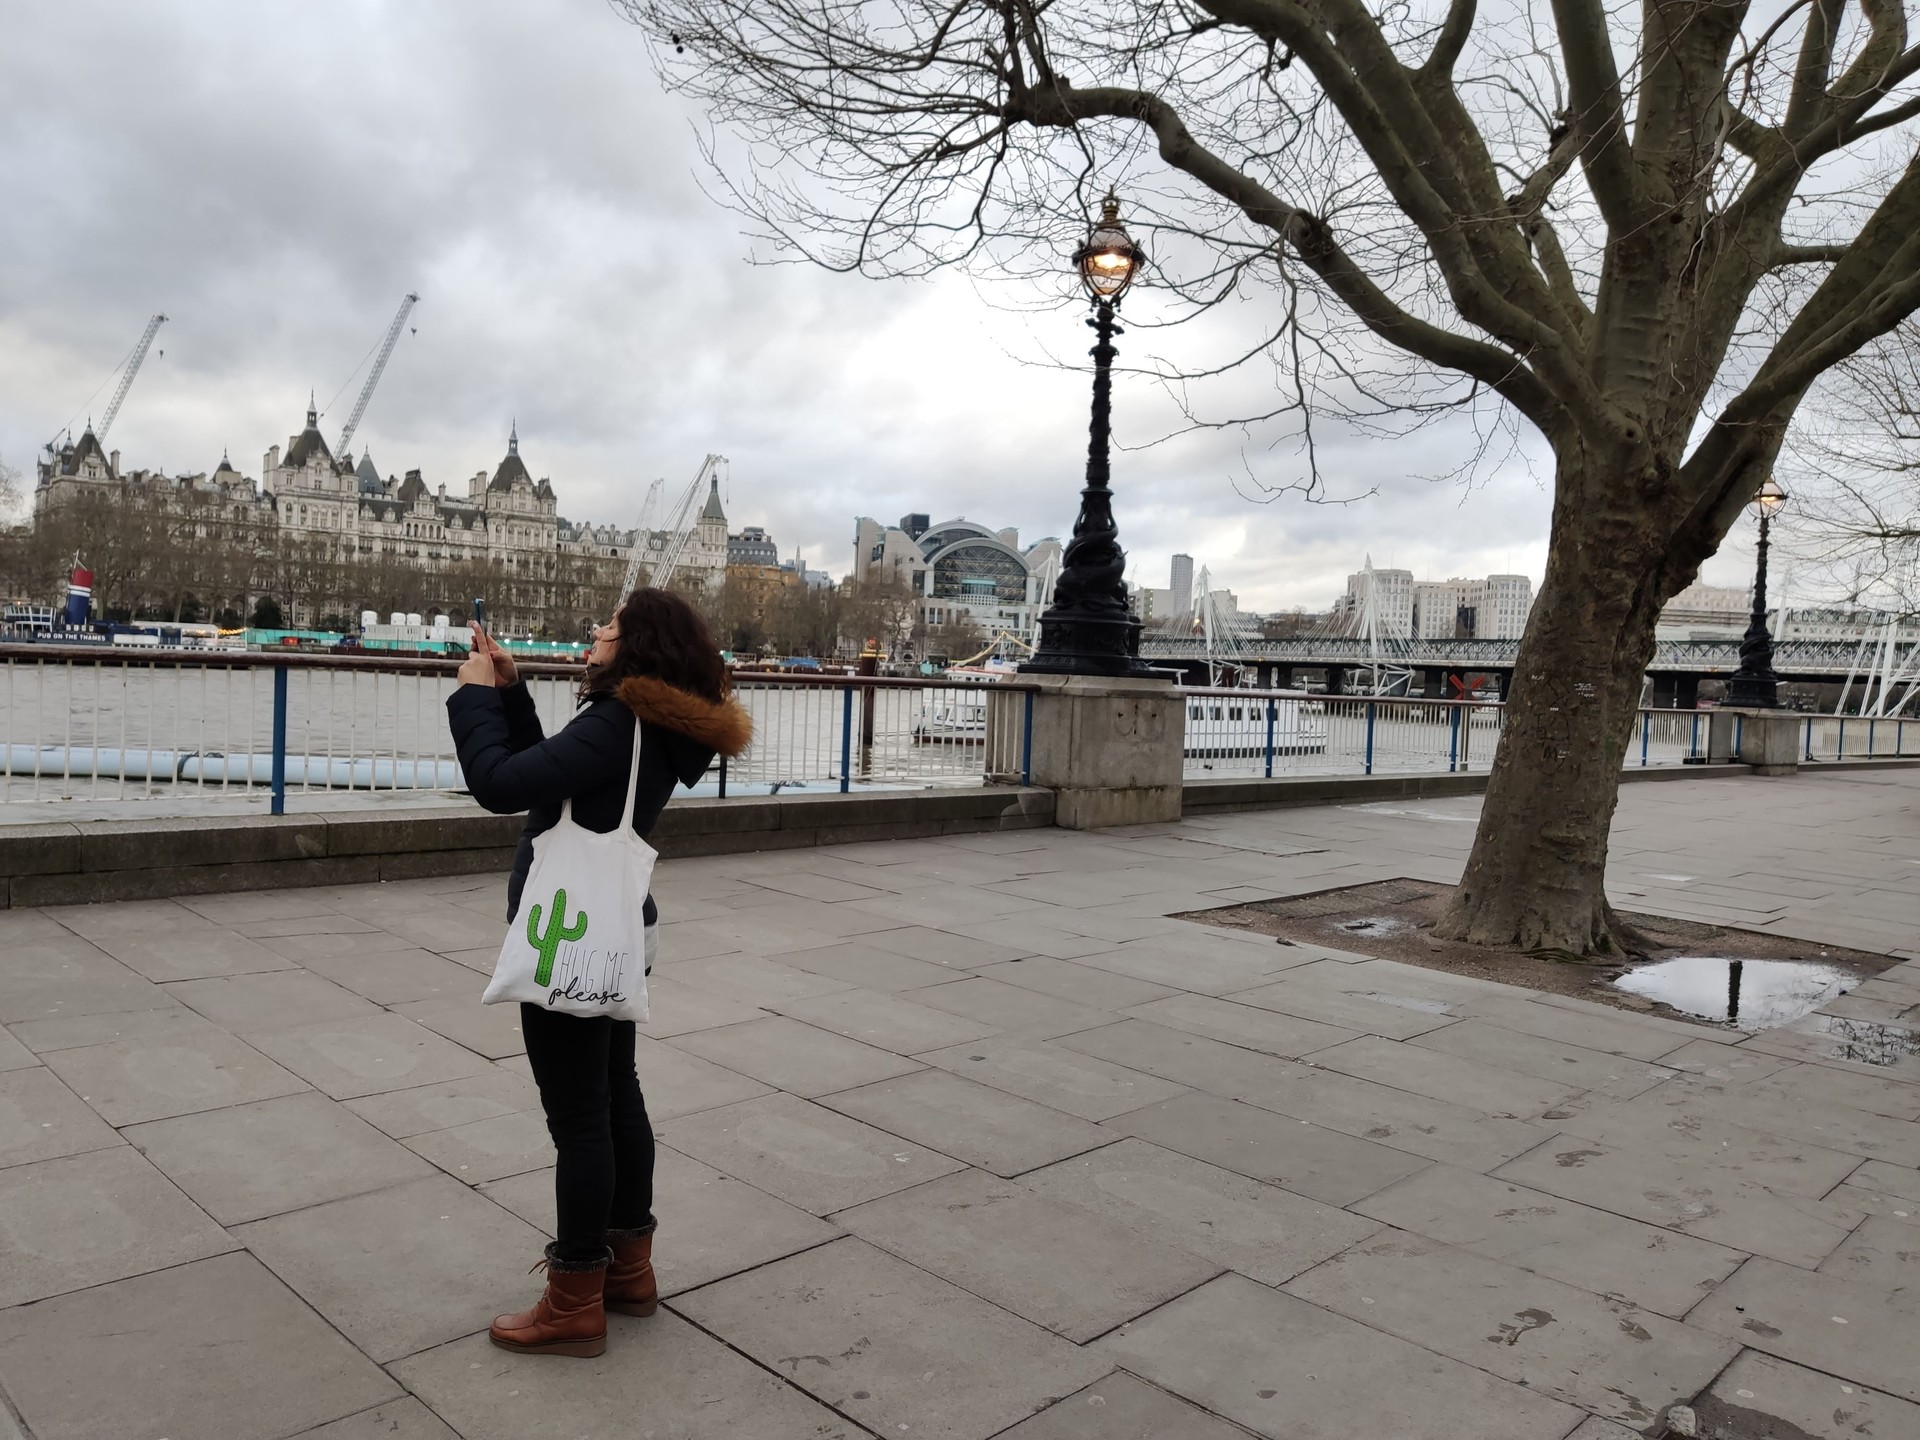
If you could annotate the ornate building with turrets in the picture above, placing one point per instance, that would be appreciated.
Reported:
(334, 521)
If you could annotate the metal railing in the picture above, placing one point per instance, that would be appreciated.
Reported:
(1860, 737)
(104, 725)
(1253, 733)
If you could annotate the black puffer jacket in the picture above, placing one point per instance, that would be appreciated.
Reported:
(510, 765)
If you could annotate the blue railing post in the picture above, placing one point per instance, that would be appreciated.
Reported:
(846, 740)
(1840, 740)
(1870, 725)
(1809, 737)
(1272, 711)
(1739, 735)
(279, 805)
(1370, 708)
(1646, 731)
(1693, 737)
(1453, 739)
(1026, 743)
(723, 777)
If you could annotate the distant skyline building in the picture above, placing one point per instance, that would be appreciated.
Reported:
(1494, 607)
(960, 571)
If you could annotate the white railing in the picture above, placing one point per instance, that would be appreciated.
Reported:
(1859, 737)
(117, 725)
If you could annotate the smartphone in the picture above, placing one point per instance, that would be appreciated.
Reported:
(480, 614)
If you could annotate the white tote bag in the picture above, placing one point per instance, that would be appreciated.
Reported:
(580, 944)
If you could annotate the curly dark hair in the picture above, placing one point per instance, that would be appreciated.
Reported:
(663, 636)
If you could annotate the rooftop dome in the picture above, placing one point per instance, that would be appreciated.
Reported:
(309, 442)
(513, 468)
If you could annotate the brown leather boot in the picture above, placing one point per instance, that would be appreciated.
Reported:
(568, 1320)
(631, 1288)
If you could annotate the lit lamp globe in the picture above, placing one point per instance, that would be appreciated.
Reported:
(1770, 498)
(1109, 260)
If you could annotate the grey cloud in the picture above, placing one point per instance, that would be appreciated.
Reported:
(275, 176)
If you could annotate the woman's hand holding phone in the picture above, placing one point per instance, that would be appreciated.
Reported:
(488, 664)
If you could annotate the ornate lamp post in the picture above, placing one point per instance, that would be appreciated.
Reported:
(1754, 686)
(1089, 629)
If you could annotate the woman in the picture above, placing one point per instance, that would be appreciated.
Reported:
(655, 660)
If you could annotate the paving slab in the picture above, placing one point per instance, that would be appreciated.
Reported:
(1725, 1063)
(67, 976)
(677, 1009)
(1656, 1269)
(350, 1058)
(1869, 1333)
(804, 1154)
(41, 1119)
(791, 1055)
(308, 949)
(1269, 1031)
(1193, 963)
(891, 1345)
(1195, 1061)
(1875, 1094)
(1772, 1399)
(191, 952)
(1122, 1407)
(490, 1149)
(1290, 1370)
(178, 1071)
(662, 1367)
(1081, 984)
(1009, 1009)
(886, 1021)
(1320, 1164)
(676, 1083)
(1667, 1123)
(404, 1419)
(489, 1030)
(1896, 1180)
(943, 947)
(753, 980)
(1882, 1251)
(1399, 1118)
(1603, 1355)
(404, 1268)
(1792, 1104)
(1591, 1027)
(1358, 997)
(269, 1000)
(14, 1055)
(1674, 1195)
(869, 967)
(399, 976)
(249, 1161)
(1166, 1198)
(711, 1225)
(486, 1096)
(1470, 1083)
(87, 1219)
(1071, 1270)
(1556, 1061)
(985, 1127)
(215, 1350)
(1050, 1074)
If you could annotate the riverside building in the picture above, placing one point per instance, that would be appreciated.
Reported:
(960, 571)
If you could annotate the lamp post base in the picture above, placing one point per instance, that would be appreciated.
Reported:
(1753, 692)
(1072, 644)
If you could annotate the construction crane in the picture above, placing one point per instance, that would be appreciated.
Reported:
(373, 375)
(126, 376)
(676, 535)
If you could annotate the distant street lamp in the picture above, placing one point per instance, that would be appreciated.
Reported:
(1754, 686)
(1089, 629)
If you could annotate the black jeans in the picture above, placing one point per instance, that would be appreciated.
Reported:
(598, 1120)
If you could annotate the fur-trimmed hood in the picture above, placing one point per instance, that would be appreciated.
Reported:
(724, 727)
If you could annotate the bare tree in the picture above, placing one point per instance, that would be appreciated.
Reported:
(1643, 233)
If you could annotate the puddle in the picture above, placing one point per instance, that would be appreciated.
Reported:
(1748, 994)
(1866, 1042)
(1378, 925)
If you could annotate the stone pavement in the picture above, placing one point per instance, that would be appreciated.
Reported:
(965, 1138)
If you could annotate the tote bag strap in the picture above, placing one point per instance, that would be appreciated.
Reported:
(633, 779)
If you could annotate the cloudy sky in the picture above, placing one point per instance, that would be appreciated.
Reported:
(276, 176)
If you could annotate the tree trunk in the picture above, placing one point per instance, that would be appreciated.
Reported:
(1536, 877)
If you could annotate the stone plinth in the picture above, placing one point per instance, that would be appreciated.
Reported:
(1768, 740)
(1110, 749)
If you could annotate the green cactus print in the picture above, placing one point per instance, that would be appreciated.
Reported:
(548, 944)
